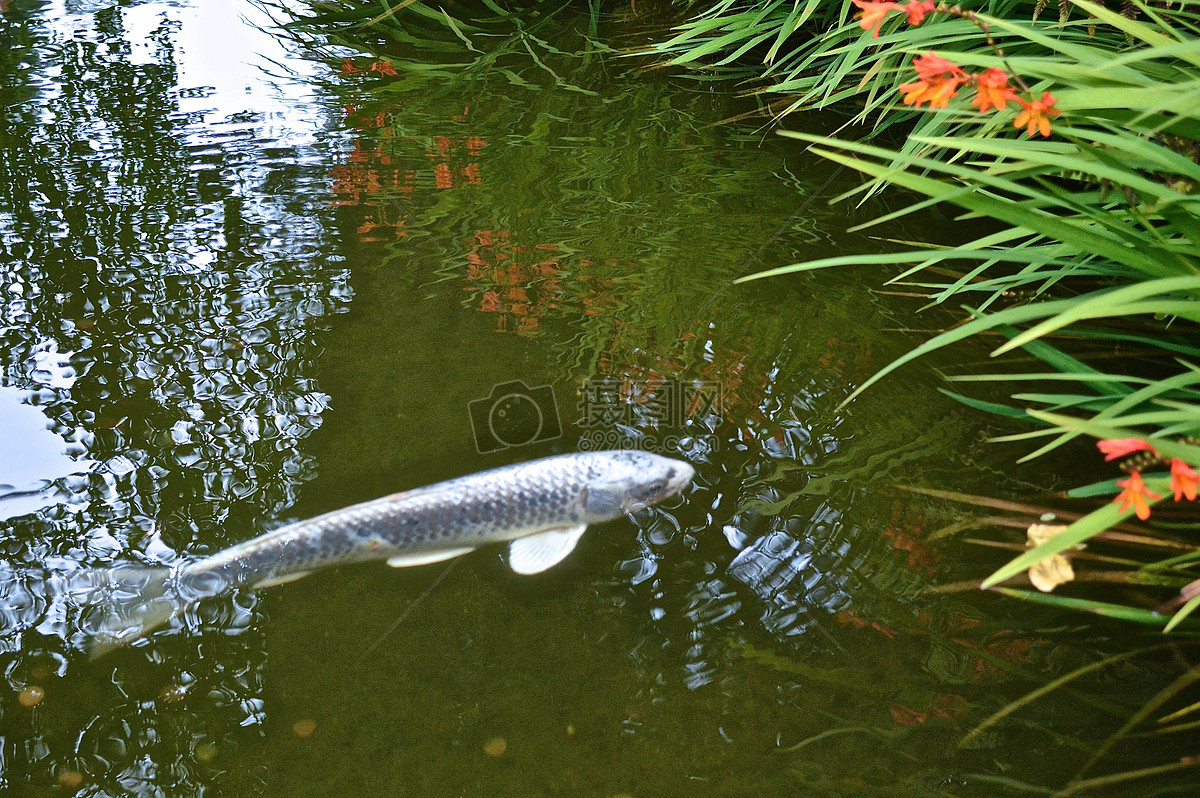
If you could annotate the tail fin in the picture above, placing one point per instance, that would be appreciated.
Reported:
(128, 603)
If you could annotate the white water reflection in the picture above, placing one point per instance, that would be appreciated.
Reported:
(228, 61)
(168, 267)
(31, 456)
(229, 66)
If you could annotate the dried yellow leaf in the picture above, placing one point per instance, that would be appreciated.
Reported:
(1048, 573)
(1037, 534)
(1051, 572)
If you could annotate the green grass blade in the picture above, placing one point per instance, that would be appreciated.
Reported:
(1090, 525)
(1102, 608)
(1184, 611)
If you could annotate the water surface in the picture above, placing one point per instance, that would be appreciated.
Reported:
(243, 284)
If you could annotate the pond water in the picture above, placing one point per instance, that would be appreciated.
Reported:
(241, 284)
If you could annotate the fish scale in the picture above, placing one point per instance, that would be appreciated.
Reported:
(541, 508)
(547, 502)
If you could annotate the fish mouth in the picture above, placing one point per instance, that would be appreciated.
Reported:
(679, 476)
(684, 473)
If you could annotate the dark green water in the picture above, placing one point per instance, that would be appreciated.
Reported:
(231, 298)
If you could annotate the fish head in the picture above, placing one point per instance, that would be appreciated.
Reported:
(625, 482)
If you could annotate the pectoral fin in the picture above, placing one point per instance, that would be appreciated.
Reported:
(537, 553)
(425, 557)
(275, 581)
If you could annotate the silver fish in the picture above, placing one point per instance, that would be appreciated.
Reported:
(541, 508)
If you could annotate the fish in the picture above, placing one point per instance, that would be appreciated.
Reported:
(540, 508)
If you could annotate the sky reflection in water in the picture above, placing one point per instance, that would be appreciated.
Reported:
(231, 300)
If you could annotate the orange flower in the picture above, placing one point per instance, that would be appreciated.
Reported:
(1114, 448)
(348, 67)
(931, 66)
(873, 14)
(442, 177)
(993, 90)
(383, 68)
(917, 10)
(936, 92)
(1184, 480)
(1135, 494)
(1036, 115)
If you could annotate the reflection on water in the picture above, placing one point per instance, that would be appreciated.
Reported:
(34, 462)
(186, 364)
(166, 275)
